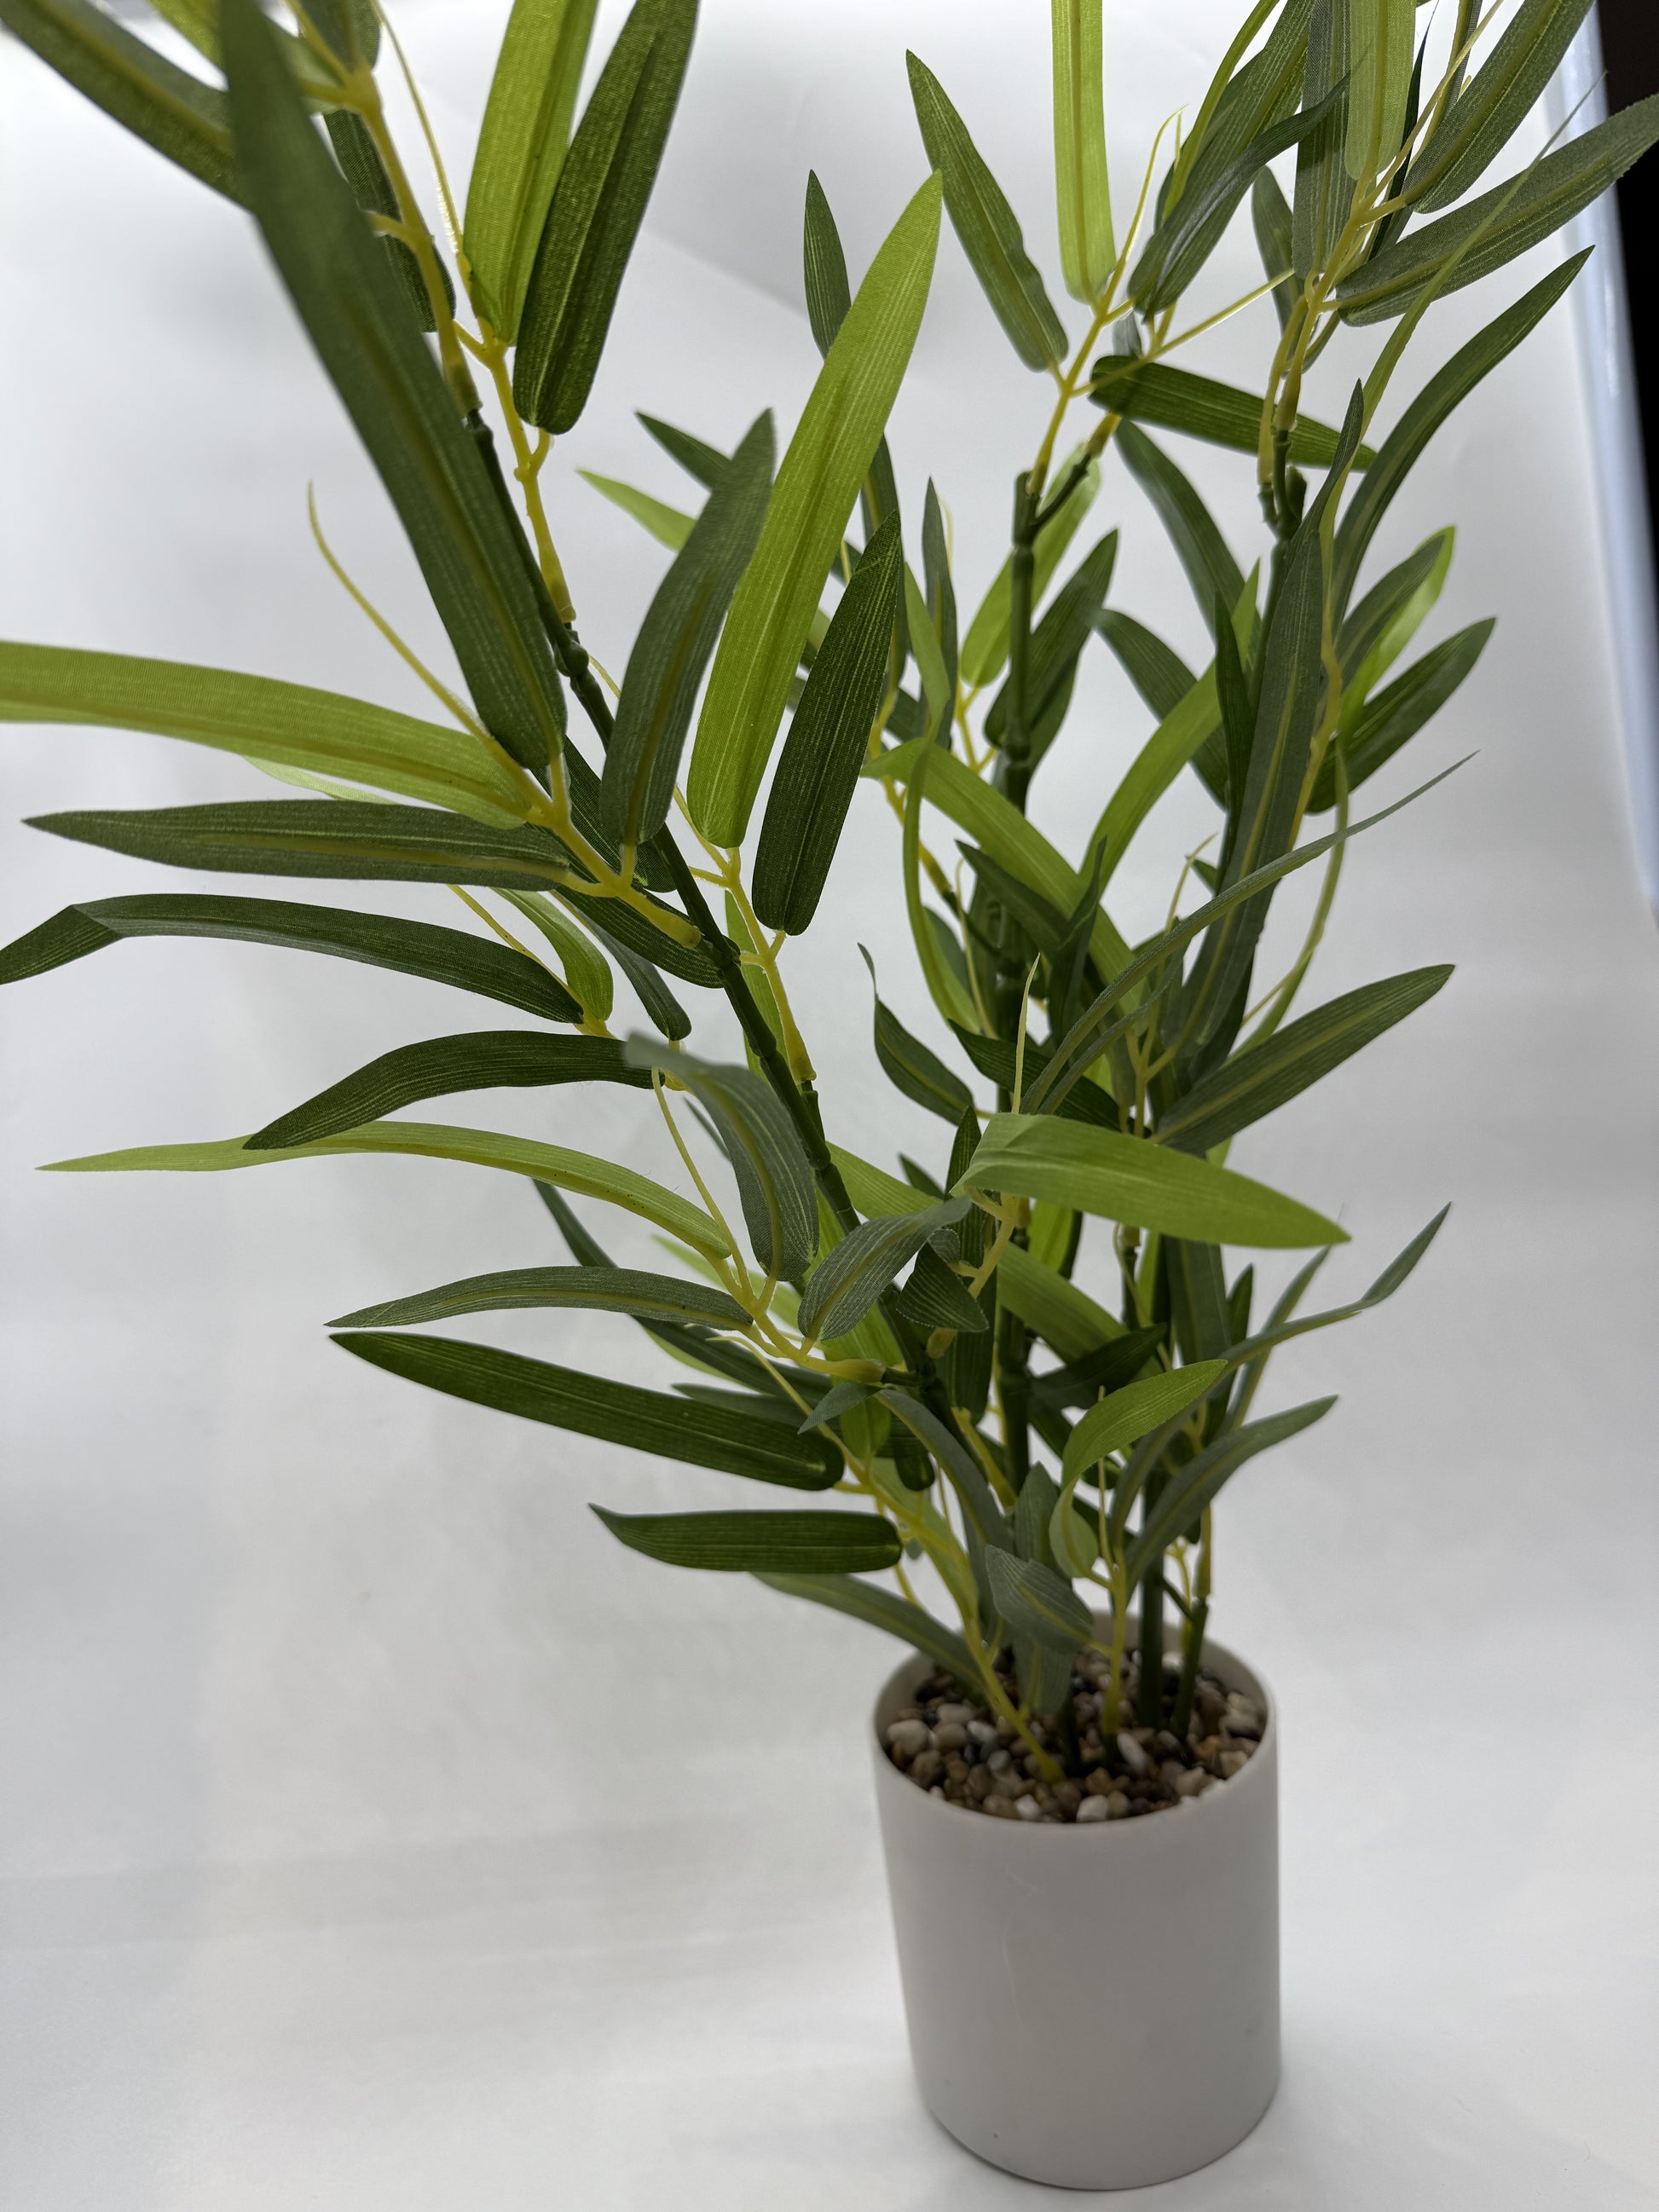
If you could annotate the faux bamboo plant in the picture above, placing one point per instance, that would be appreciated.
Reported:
(1120, 1074)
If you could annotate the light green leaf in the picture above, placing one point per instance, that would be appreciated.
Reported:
(829, 1543)
(1082, 195)
(1396, 715)
(483, 1148)
(409, 948)
(1064, 1317)
(1134, 1411)
(672, 650)
(929, 661)
(986, 226)
(1493, 104)
(596, 1290)
(1379, 35)
(667, 524)
(263, 721)
(1197, 1482)
(521, 149)
(882, 1608)
(822, 473)
(985, 648)
(476, 1060)
(599, 202)
(586, 971)
(1036, 1602)
(1140, 1184)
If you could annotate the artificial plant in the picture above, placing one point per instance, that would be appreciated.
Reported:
(1082, 1080)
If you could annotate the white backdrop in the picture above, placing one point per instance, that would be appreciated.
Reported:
(332, 1870)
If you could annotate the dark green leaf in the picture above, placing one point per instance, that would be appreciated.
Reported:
(1281, 1327)
(1056, 642)
(852, 1276)
(1324, 190)
(774, 1178)
(1395, 715)
(411, 948)
(919, 1179)
(1493, 104)
(1153, 391)
(372, 188)
(818, 770)
(1035, 1603)
(1197, 1482)
(936, 1297)
(994, 1058)
(1503, 222)
(1157, 670)
(1271, 218)
(662, 1009)
(941, 591)
(1098, 1373)
(665, 666)
(1202, 551)
(882, 1608)
(984, 1516)
(170, 110)
(477, 1059)
(626, 926)
(599, 1290)
(698, 459)
(1369, 623)
(592, 1406)
(1445, 391)
(986, 226)
(1197, 1290)
(598, 203)
(828, 295)
(349, 301)
(912, 1068)
(521, 149)
(760, 1543)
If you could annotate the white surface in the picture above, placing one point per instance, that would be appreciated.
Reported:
(336, 1874)
(1092, 2007)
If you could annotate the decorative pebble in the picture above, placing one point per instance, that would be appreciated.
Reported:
(1116, 1805)
(1228, 1763)
(981, 1731)
(1129, 1751)
(958, 1714)
(1028, 1808)
(949, 1735)
(1092, 1809)
(907, 1737)
(1001, 1760)
(1193, 1782)
(1100, 1783)
(927, 1766)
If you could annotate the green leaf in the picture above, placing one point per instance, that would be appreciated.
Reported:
(521, 149)
(662, 1009)
(1156, 670)
(760, 1543)
(997, 1059)
(1035, 1601)
(667, 524)
(774, 1176)
(1377, 631)
(483, 1148)
(477, 1059)
(1493, 104)
(936, 688)
(1082, 195)
(986, 226)
(586, 973)
(1106, 1368)
(1064, 1317)
(374, 354)
(828, 295)
(1281, 1327)
(263, 720)
(598, 1289)
(985, 648)
(941, 594)
(850, 1278)
(1198, 1481)
(322, 837)
(1444, 392)
(695, 455)
(1380, 39)
(625, 925)
(1140, 1184)
(170, 110)
(881, 1608)
(1271, 219)
(986, 1520)
(372, 189)
(1135, 1410)
(1220, 413)
(1503, 222)
(410, 948)
(1395, 715)
(1056, 643)
(827, 462)
(594, 1406)
(817, 771)
(936, 1297)
(1202, 551)
(673, 648)
(1260, 1080)
(1324, 191)
(909, 1067)
(1001, 831)
(599, 202)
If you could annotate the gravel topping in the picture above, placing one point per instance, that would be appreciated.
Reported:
(963, 1753)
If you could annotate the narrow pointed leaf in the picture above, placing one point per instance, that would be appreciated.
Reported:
(911, 1067)
(996, 1058)
(1283, 1324)
(828, 295)
(1156, 669)
(1199, 407)
(849, 1280)
(760, 1543)
(1058, 640)
(596, 1290)
(587, 972)
(817, 771)
(1494, 103)
(828, 460)
(477, 1059)
(882, 1608)
(986, 226)
(1394, 717)
(410, 948)
(1066, 1318)
(1271, 219)
(521, 149)
(695, 455)
(599, 202)
(985, 648)
(1377, 632)
(665, 667)
(1379, 35)
(1036, 1602)
(1103, 1371)
(1324, 190)
(483, 1148)
(669, 525)
(1202, 1477)
(263, 720)
(1082, 195)
(936, 1297)
(1135, 1410)
(1202, 551)
(966, 1477)
(1140, 1184)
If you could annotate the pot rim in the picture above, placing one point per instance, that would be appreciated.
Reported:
(1256, 1774)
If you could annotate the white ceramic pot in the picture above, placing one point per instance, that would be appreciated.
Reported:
(1093, 2007)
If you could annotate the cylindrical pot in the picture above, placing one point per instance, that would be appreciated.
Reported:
(1094, 2006)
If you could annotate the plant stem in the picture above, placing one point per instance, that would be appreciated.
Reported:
(1149, 1697)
